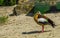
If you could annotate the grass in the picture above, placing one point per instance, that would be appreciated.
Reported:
(3, 19)
(58, 5)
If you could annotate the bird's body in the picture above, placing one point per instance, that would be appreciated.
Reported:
(43, 20)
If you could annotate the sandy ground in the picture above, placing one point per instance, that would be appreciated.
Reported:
(25, 27)
(6, 10)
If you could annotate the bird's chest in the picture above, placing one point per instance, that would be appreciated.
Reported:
(42, 20)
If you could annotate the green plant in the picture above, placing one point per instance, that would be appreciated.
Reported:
(58, 5)
(1, 2)
(42, 7)
(3, 19)
(12, 2)
(7, 2)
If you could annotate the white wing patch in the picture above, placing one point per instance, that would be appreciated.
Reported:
(42, 20)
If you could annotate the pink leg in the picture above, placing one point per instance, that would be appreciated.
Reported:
(42, 28)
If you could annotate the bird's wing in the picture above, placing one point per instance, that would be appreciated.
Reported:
(50, 21)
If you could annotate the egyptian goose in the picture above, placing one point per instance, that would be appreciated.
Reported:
(43, 20)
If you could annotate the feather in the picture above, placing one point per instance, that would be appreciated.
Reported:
(51, 22)
(42, 20)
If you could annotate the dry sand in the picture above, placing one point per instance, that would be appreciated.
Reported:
(17, 25)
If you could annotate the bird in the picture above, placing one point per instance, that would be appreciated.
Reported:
(43, 20)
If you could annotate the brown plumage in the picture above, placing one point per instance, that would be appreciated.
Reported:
(49, 21)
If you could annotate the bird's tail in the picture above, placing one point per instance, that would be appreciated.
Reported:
(52, 23)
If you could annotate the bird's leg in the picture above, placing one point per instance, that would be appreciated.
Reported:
(42, 28)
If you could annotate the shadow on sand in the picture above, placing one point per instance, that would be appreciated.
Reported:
(34, 32)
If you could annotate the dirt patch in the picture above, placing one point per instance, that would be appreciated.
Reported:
(6, 10)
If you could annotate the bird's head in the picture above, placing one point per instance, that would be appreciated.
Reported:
(39, 13)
